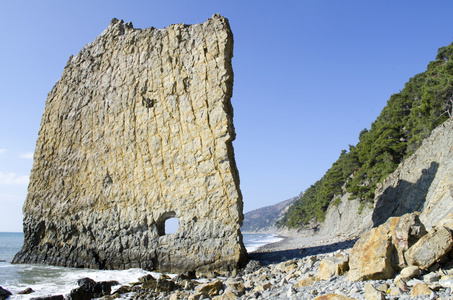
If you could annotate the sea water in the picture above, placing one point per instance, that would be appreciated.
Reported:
(253, 241)
(51, 280)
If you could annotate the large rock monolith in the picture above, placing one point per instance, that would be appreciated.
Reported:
(139, 130)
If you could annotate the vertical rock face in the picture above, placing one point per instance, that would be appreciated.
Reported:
(422, 182)
(138, 130)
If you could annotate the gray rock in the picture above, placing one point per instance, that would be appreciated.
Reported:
(26, 291)
(4, 294)
(430, 248)
(431, 277)
(56, 297)
(421, 182)
(446, 283)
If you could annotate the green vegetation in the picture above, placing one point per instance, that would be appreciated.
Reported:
(407, 119)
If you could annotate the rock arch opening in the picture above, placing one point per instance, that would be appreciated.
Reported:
(168, 224)
(171, 225)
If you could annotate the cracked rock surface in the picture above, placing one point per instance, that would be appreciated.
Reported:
(139, 130)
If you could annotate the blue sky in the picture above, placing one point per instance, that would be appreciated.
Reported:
(309, 76)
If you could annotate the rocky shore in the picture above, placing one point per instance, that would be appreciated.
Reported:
(297, 267)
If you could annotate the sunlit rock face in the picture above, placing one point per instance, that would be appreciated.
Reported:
(139, 130)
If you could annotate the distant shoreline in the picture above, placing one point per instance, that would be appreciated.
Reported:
(297, 246)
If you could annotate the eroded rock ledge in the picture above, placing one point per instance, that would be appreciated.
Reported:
(138, 130)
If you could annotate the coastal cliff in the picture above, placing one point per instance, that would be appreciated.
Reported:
(355, 181)
(139, 130)
(422, 183)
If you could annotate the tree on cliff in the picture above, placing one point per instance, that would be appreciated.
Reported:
(408, 118)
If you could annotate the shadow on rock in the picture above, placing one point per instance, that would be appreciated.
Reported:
(405, 197)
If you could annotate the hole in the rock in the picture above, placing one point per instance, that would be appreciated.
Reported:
(171, 225)
(168, 223)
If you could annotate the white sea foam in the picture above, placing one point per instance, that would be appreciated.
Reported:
(253, 241)
(52, 280)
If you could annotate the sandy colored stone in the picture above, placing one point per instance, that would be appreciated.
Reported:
(331, 266)
(237, 288)
(370, 258)
(196, 296)
(228, 295)
(263, 287)
(211, 289)
(410, 272)
(138, 130)
(380, 252)
(291, 268)
(383, 287)
(420, 289)
(394, 291)
(306, 281)
(371, 293)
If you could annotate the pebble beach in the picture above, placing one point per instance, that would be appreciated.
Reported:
(287, 269)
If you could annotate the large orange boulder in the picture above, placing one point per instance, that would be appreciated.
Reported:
(379, 253)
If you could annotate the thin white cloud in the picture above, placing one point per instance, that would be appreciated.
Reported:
(13, 179)
(27, 155)
(2, 151)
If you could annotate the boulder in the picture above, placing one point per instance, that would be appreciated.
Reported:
(383, 287)
(210, 289)
(55, 297)
(370, 258)
(446, 283)
(371, 293)
(394, 291)
(145, 278)
(407, 232)
(88, 289)
(4, 294)
(80, 294)
(26, 291)
(380, 252)
(431, 277)
(407, 274)
(196, 296)
(236, 288)
(410, 272)
(430, 248)
(123, 290)
(263, 287)
(150, 284)
(228, 295)
(306, 281)
(331, 266)
(420, 289)
(165, 285)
